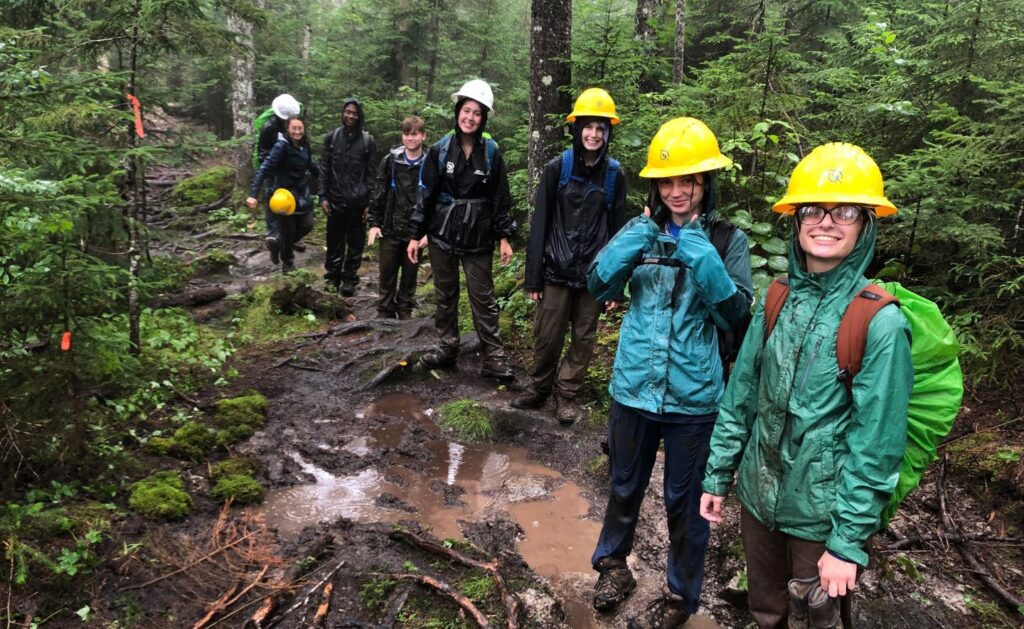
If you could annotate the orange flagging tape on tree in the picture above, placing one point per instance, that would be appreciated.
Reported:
(137, 108)
(65, 342)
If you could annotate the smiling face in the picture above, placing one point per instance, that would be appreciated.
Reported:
(350, 115)
(827, 243)
(296, 130)
(682, 195)
(413, 141)
(592, 136)
(469, 117)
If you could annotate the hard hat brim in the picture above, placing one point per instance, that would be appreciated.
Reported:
(711, 163)
(593, 114)
(788, 204)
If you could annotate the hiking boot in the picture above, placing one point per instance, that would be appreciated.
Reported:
(498, 369)
(614, 584)
(439, 358)
(348, 289)
(275, 250)
(530, 398)
(287, 267)
(299, 246)
(665, 612)
(404, 316)
(823, 611)
(565, 410)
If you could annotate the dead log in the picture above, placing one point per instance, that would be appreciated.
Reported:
(198, 297)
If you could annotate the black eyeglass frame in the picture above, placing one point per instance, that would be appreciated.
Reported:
(861, 211)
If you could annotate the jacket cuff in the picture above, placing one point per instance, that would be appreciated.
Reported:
(845, 549)
(716, 487)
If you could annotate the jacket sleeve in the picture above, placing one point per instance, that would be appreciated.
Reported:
(736, 412)
(877, 435)
(545, 202)
(371, 161)
(326, 168)
(269, 166)
(426, 196)
(504, 224)
(608, 273)
(707, 271)
(378, 201)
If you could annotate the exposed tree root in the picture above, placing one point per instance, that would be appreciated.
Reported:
(447, 590)
(309, 593)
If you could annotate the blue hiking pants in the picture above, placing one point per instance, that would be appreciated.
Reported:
(633, 446)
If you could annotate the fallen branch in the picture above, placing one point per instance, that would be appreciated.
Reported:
(256, 620)
(446, 589)
(309, 593)
(325, 605)
(215, 608)
(189, 566)
(964, 547)
(917, 540)
(491, 567)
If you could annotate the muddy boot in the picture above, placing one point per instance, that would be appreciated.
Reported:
(299, 246)
(530, 398)
(348, 288)
(275, 250)
(404, 316)
(614, 584)
(287, 267)
(798, 590)
(565, 410)
(441, 357)
(666, 612)
(823, 611)
(497, 368)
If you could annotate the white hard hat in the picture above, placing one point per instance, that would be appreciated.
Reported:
(285, 106)
(478, 90)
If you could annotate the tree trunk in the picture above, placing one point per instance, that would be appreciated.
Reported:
(646, 10)
(136, 203)
(436, 6)
(400, 50)
(242, 70)
(550, 49)
(679, 66)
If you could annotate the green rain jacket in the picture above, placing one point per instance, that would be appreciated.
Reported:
(815, 460)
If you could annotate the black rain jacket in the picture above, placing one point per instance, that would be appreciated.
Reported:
(395, 193)
(347, 164)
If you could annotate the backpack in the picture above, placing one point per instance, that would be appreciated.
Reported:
(729, 342)
(444, 146)
(565, 175)
(938, 381)
(257, 126)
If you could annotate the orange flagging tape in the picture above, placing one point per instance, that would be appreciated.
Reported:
(65, 342)
(137, 108)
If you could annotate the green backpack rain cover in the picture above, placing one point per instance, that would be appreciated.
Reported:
(257, 126)
(937, 392)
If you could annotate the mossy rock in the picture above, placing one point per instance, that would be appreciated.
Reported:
(161, 446)
(234, 434)
(205, 187)
(249, 410)
(161, 496)
(986, 456)
(233, 467)
(242, 488)
(468, 419)
(217, 261)
(193, 441)
(297, 294)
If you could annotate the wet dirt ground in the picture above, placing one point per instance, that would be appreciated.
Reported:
(348, 461)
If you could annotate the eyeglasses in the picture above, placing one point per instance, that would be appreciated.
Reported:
(841, 214)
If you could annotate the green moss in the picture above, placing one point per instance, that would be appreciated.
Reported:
(233, 467)
(234, 434)
(249, 410)
(161, 446)
(161, 496)
(217, 261)
(258, 323)
(985, 455)
(205, 187)
(468, 418)
(477, 588)
(242, 488)
(193, 441)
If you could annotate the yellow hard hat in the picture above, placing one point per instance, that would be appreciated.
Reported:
(836, 172)
(596, 102)
(683, 146)
(282, 202)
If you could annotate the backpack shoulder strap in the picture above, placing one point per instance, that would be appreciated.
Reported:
(853, 329)
(773, 300)
(566, 169)
(443, 146)
(366, 144)
(334, 138)
(491, 149)
(721, 233)
(611, 171)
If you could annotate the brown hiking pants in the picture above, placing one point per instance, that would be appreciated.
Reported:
(479, 287)
(773, 558)
(562, 308)
(397, 297)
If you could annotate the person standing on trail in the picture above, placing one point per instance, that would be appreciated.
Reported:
(668, 378)
(580, 204)
(274, 129)
(286, 168)
(345, 190)
(393, 200)
(816, 458)
(464, 206)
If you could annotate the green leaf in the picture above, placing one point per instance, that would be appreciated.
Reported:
(761, 228)
(743, 219)
(84, 613)
(757, 262)
(774, 245)
(778, 263)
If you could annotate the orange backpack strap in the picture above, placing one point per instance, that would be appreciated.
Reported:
(853, 329)
(778, 290)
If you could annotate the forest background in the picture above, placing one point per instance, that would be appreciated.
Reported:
(934, 91)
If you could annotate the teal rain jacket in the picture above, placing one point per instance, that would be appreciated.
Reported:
(816, 461)
(667, 360)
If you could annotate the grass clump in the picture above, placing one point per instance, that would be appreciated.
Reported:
(241, 488)
(477, 588)
(161, 496)
(468, 419)
(258, 322)
(205, 187)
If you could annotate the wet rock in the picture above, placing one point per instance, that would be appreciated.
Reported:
(527, 488)
(391, 501)
(542, 608)
(451, 493)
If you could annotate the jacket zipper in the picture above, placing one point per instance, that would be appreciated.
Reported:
(810, 363)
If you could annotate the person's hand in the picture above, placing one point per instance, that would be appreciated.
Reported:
(251, 202)
(506, 252)
(534, 295)
(711, 507)
(326, 205)
(424, 242)
(647, 211)
(372, 237)
(413, 251)
(611, 306)
(837, 576)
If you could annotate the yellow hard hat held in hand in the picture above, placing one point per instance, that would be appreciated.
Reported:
(594, 102)
(282, 202)
(683, 146)
(836, 172)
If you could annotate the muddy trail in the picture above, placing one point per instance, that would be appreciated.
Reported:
(375, 516)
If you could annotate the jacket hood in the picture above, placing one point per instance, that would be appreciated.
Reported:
(852, 267)
(483, 120)
(579, 166)
(359, 107)
(709, 204)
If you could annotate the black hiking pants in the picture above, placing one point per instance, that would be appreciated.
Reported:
(291, 229)
(346, 237)
(397, 296)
